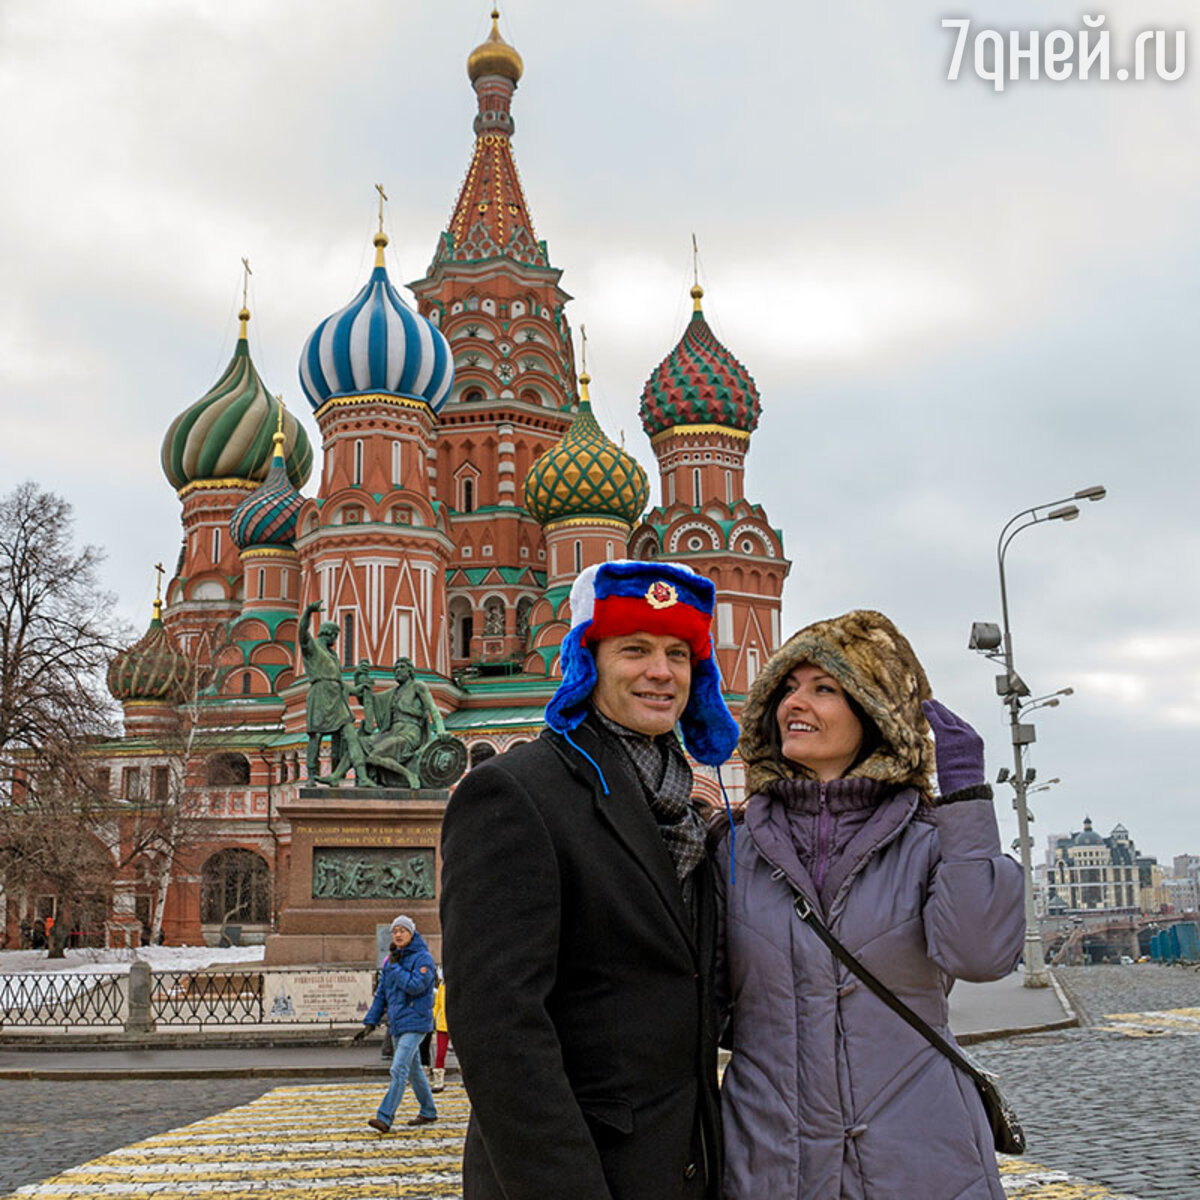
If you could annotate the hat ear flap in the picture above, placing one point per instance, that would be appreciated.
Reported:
(709, 730)
(567, 706)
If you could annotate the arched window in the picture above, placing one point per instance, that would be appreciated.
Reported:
(358, 462)
(396, 462)
(235, 885)
(578, 556)
(524, 605)
(728, 487)
(468, 495)
(481, 751)
(695, 485)
(473, 396)
(227, 770)
(216, 545)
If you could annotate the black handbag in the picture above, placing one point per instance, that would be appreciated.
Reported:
(1007, 1134)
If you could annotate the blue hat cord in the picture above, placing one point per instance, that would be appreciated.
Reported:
(732, 829)
(572, 742)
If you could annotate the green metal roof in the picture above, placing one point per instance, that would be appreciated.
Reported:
(518, 716)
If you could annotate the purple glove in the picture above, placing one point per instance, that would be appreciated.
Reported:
(958, 747)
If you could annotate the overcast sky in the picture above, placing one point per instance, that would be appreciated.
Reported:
(956, 303)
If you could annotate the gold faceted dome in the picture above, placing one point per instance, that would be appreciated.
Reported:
(586, 475)
(495, 56)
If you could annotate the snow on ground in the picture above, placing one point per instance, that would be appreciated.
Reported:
(117, 962)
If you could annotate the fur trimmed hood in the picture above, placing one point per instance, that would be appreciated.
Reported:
(875, 664)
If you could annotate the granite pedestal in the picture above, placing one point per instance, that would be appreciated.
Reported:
(359, 857)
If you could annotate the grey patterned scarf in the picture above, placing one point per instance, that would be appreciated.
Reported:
(666, 781)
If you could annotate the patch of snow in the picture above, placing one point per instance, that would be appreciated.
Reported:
(117, 962)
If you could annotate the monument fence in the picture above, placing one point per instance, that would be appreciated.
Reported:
(143, 1000)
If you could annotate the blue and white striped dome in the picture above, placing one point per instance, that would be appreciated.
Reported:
(377, 344)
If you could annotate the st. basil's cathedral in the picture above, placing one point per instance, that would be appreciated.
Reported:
(464, 482)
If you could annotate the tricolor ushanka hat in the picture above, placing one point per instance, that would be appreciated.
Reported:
(612, 599)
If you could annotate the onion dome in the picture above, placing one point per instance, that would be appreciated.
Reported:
(586, 475)
(495, 56)
(153, 669)
(267, 517)
(377, 344)
(699, 383)
(226, 434)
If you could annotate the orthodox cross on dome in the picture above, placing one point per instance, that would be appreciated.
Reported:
(382, 197)
(279, 438)
(697, 290)
(583, 353)
(381, 238)
(158, 567)
(244, 315)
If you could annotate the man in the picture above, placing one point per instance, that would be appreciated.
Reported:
(328, 710)
(577, 914)
(406, 986)
(406, 719)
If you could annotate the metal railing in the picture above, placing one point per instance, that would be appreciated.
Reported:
(66, 1000)
(206, 998)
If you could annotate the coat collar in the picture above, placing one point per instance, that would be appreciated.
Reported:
(624, 811)
(766, 820)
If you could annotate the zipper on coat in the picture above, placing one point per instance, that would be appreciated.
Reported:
(824, 836)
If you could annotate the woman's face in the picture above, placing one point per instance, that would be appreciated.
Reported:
(816, 723)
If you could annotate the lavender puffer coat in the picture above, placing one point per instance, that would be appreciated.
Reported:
(829, 1095)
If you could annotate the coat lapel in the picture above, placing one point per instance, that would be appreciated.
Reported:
(625, 812)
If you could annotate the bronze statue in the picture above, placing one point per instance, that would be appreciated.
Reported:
(328, 711)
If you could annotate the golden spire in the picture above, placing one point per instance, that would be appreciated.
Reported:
(158, 592)
(279, 439)
(584, 377)
(381, 238)
(244, 315)
(697, 290)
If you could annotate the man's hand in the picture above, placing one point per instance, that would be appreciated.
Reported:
(362, 1033)
(314, 607)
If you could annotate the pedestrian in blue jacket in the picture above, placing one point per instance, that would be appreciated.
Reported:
(406, 986)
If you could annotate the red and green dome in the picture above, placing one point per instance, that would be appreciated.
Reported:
(586, 475)
(699, 383)
(152, 669)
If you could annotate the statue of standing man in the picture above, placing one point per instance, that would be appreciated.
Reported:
(328, 710)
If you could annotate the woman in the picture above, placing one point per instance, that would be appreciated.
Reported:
(829, 1094)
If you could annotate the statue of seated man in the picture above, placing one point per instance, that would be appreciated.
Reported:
(406, 720)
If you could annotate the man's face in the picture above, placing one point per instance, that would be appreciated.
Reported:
(403, 671)
(643, 680)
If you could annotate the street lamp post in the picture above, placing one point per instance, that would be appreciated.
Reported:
(1012, 690)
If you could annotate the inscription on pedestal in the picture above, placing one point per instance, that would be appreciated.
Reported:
(372, 874)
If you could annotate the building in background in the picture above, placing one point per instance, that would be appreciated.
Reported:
(1092, 873)
(463, 482)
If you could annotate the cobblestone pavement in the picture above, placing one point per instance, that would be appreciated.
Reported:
(311, 1142)
(49, 1126)
(1109, 1117)
(1116, 1109)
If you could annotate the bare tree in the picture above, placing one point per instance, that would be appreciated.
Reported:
(56, 628)
(56, 636)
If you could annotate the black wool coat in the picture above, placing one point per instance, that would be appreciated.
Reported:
(578, 995)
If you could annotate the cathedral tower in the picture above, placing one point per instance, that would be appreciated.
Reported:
(699, 408)
(374, 545)
(493, 292)
(215, 454)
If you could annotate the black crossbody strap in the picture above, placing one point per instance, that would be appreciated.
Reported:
(805, 912)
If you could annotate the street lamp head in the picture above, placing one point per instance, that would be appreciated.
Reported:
(1067, 691)
(1065, 512)
(984, 636)
(1091, 493)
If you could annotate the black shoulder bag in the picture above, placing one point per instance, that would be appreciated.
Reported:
(1007, 1134)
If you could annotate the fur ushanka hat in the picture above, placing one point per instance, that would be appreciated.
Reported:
(611, 599)
(874, 663)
